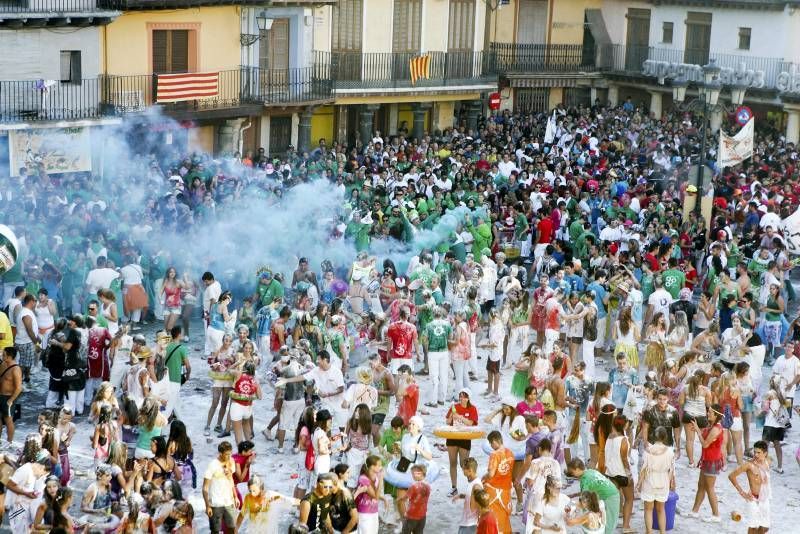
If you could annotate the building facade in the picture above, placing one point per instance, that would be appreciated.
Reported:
(369, 46)
(296, 71)
(572, 52)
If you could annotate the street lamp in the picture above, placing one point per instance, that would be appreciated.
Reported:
(704, 106)
(263, 23)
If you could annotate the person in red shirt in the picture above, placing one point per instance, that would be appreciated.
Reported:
(462, 413)
(417, 498)
(401, 339)
(498, 481)
(544, 233)
(99, 367)
(487, 520)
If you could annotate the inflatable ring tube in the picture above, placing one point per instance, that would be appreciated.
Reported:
(404, 480)
(449, 432)
(516, 447)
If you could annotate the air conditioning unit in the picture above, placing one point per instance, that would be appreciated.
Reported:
(128, 101)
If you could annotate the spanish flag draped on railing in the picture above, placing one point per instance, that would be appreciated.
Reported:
(188, 86)
(420, 67)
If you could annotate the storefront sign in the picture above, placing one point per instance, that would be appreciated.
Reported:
(59, 150)
(694, 73)
(788, 82)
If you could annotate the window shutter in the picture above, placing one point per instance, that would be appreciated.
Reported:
(180, 51)
(461, 25)
(66, 71)
(160, 51)
(279, 44)
(75, 66)
(347, 26)
(407, 26)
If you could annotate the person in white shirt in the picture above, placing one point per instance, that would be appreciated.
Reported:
(14, 304)
(329, 383)
(506, 166)
(27, 338)
(611, 232)
(134, 295)
(469, 515)
(219, 490)
(658, 302)
(787, 368)
(211, 294)
(100, 278)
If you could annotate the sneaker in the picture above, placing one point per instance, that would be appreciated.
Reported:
(441, 403)
(778, 470)
(218, 429)
(224, 434)
(267, 433)
(712, 519)
(453, 492)
(207, 432)
(278, 450)
(689, 513)
(430, 404)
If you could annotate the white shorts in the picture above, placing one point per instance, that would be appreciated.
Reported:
(758, 514)
(651, 494)
(396, 363)
(737, 425)
(290, 414)
(239, 412)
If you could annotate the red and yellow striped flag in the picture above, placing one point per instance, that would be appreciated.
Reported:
(420, 67)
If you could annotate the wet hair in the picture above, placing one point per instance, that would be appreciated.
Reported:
(179, 436)
(161, 446)
(245, 446)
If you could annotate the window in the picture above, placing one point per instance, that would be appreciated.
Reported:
(170, 51)
(698, 38)
(71, 66)
(744, 38)
(666, 33)
(407, 26)
(461, 31)
(347, 26)
(273, 47)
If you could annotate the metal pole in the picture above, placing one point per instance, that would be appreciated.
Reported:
(700, 173)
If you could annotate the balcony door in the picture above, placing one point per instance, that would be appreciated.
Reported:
(347, 29)
(406, 36)
(170, 51)
(532, 22)
(698, 38)
(461, 40)
(273, 57)
(637, 41)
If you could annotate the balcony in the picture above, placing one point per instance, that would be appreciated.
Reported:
(147, 5)
(241, 91)
(354, 71)
(755, 72)
(15, 14)
(513, 58)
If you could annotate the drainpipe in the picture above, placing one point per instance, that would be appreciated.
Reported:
(241, 136)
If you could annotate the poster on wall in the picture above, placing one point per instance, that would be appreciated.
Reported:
(60, 150)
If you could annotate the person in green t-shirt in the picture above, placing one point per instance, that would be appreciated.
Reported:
(438, 333)
(598, 483)
(176, 358)
(674, 279)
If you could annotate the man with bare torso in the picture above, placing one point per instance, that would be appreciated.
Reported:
(758, 497)
(10, 389)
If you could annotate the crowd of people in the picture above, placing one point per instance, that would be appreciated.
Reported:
(612, 336)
